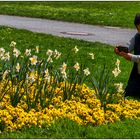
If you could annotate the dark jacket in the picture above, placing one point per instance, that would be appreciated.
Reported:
(133, 86)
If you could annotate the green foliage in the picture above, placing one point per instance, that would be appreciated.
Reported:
(64, 128)
(101, 82)
(28, 40)
(103, 53)
(99, 13)
(36, 79)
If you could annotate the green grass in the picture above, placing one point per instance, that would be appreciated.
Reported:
(84, 12)
(96, 13)
(104, 54)
(68, 129)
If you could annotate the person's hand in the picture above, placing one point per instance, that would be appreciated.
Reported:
(127, 56)
(116, 51)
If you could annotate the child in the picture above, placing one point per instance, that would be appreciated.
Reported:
(133, 86)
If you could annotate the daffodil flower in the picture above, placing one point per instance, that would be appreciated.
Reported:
(13, 44)
(28, 52)
(47, 76)
(119, 87)
(6, 56)
(2, 51)
(49, 52)
(33, 60)
(76, 66)
(37, 49)
(49, 60)
(116, 72)
(63, 70)
(18, 67)
(56, 54)
(92, 55)
(117, 62)
(86, 71)
(16, 52)
(75, 49)
(30, 77)
(5, 74)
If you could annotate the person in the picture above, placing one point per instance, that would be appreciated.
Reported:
(133, 86)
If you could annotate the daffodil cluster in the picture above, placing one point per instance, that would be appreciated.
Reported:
(33, 92)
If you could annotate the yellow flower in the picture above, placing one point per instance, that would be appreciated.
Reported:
(116, 72)
(49, 60)
(64, 66)
(17, 67)
(5, 74)
(56, 54)
(119, 87)
(49, 52)
(47, 76)
(16, 52)
(24, 97)
(13, 44)
(75, 49)
(92, 55)
(76, 66)
(37, 49)
(117, 62)
(86, 71)
(6, 56)
(33, 60)
(28, 52)
(63, 70)
(2, 51)
(31, 77)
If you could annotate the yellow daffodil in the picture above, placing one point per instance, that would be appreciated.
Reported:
(56, 54)
(2, 51)
(75, 49)
(37, 49)
(33, 60)
(18, 67)
(86, 71)
(49, 52)
(6, 56)
(117, 62)
(92, 55)
(13, 44)
(16, 52)
(76, 66)
(119, 87)
(47, 76)
(116, 72)
(28, 52)
(5, 74)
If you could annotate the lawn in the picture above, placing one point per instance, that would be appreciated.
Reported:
(104, 54)
(65, 129)
(97, 13)
(84, 12)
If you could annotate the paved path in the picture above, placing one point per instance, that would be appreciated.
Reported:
(104, 34)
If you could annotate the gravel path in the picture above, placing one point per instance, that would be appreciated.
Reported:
(104, 34)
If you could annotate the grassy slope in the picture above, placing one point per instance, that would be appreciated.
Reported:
(104, 54)
(102, 13)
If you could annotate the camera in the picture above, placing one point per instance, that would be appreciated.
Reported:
(122, 49)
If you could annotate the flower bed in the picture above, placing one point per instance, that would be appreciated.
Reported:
(34, 91)
(84, 109)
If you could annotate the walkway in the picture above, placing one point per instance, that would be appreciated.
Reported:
(105, 34)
